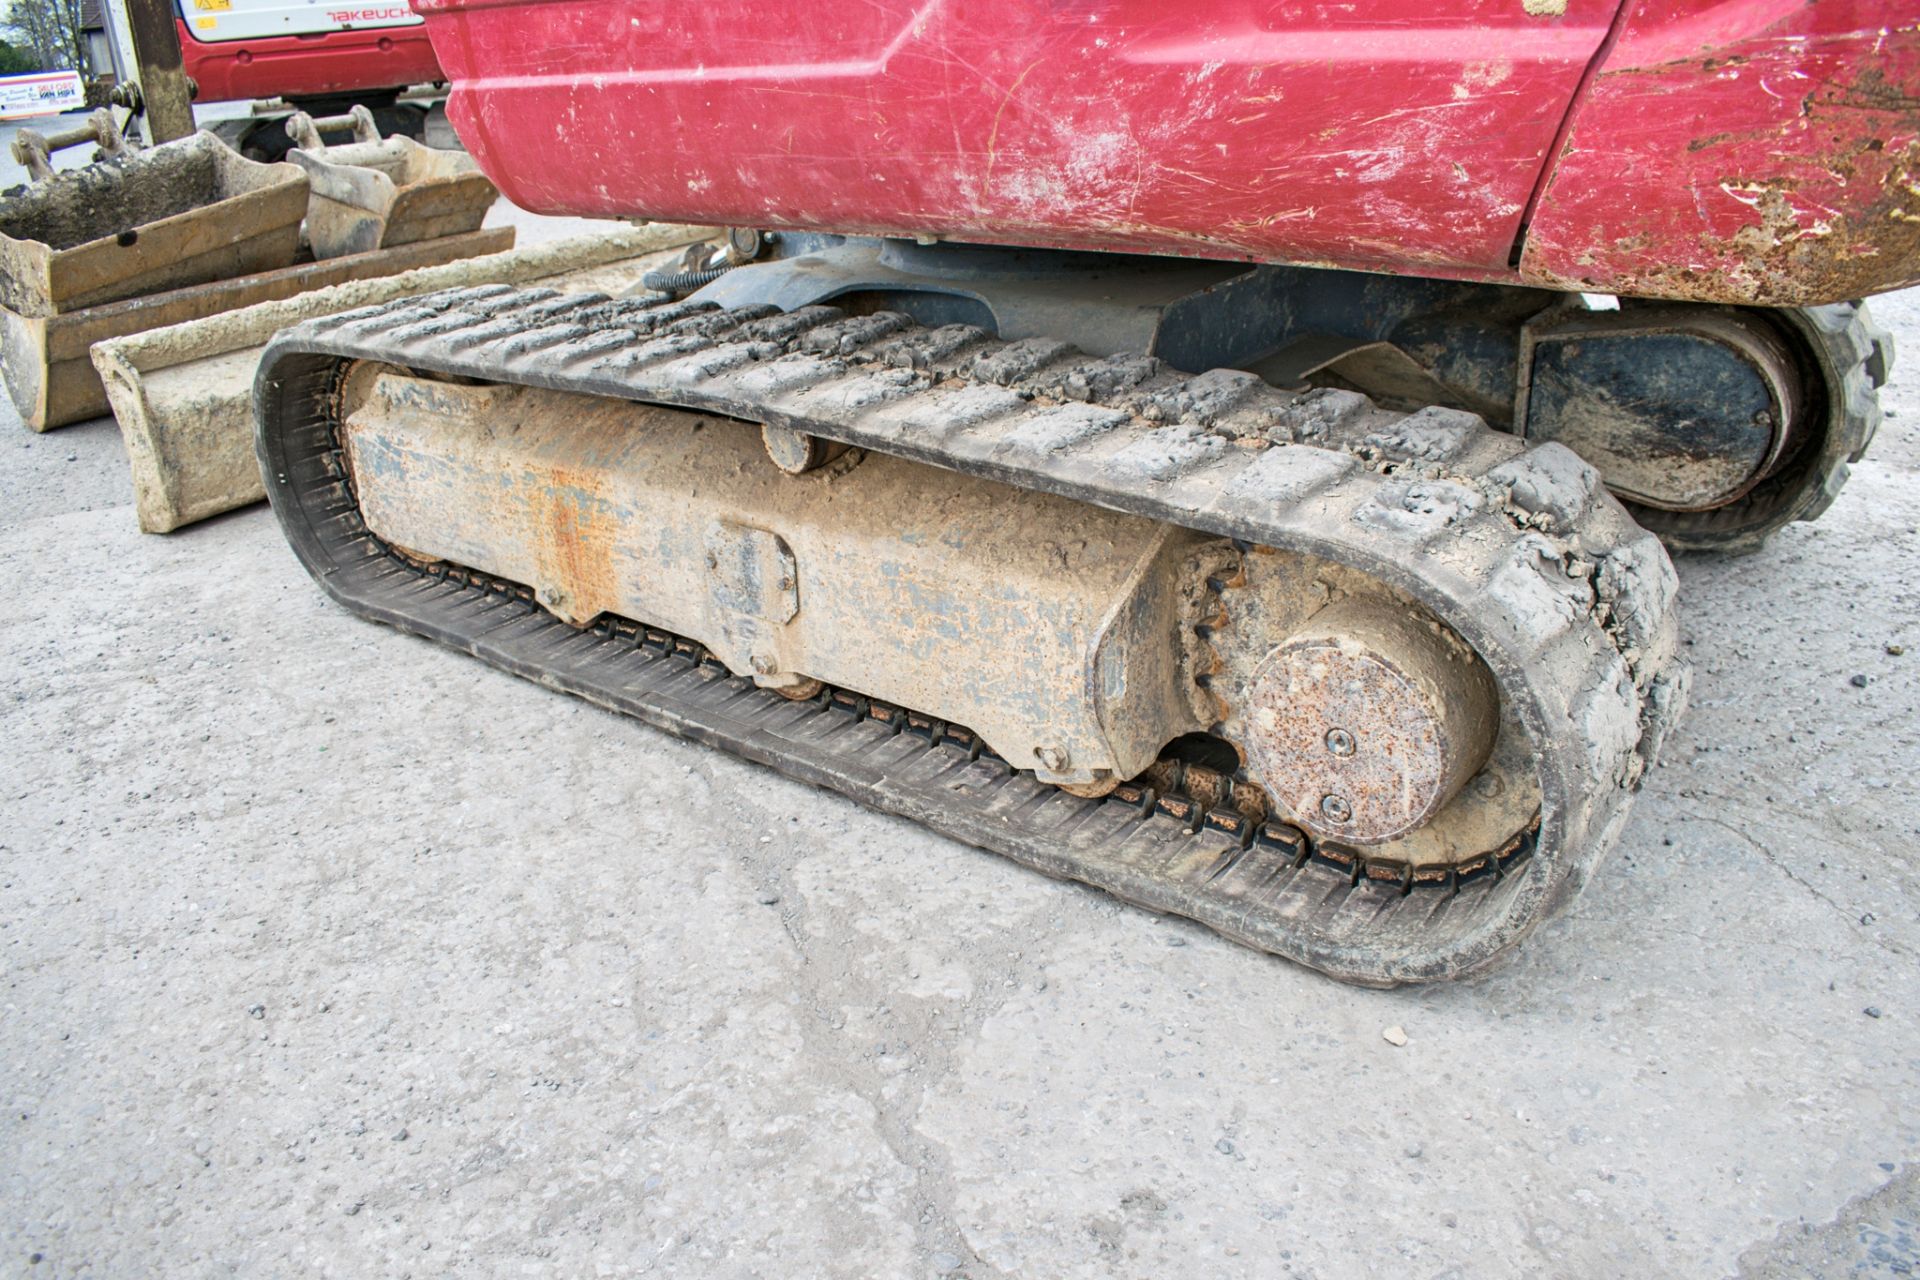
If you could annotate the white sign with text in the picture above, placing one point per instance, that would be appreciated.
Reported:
(43, 93)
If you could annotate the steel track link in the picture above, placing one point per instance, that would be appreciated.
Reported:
(1520, 550)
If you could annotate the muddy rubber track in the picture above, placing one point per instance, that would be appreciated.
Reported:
(1520, 550)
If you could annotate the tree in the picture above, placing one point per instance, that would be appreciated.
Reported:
(52, 32)
(16, 61)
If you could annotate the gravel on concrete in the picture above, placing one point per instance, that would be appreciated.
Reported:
(326, 951)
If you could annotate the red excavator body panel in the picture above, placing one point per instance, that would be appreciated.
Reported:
(1740, 151)
(320, 64)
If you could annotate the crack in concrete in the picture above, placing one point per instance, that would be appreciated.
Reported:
(1781, 865)
(831, 975)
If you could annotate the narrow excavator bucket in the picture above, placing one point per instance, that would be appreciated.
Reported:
(184, 394)
(374, 193)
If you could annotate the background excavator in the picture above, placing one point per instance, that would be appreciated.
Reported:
(1227, 453)
(281, 56)
(324, 59)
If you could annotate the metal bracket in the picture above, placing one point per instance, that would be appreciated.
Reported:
(305, 130)
(35, 149)
(1377, 367)
(752, 572)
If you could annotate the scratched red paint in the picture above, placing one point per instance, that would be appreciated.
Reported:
(1762, 150)
(1402, 135)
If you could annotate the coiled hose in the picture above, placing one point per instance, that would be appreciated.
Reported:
(683, 281)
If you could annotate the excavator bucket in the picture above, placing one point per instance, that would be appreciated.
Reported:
(133, 240)
(183, 395)
(189, 230)
(45, 357)
(183, 213)
(374, 194)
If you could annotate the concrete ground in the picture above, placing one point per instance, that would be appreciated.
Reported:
(327, 951)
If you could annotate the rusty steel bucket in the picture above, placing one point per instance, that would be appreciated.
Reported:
(45, 358)
(180, 214)
(372, 193)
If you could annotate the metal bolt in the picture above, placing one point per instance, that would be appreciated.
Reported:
(1340, 742)
(1336, 809)
(1053, 759)
(743, 244)
(763, 665)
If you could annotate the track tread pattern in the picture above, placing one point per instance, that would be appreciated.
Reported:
(1520, 549)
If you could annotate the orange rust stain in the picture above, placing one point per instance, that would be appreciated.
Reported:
(575, 548)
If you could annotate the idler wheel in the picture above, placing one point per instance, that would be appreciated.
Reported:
(1365, 722)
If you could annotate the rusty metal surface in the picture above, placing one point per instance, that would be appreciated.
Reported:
(370, 194)
(1367, 720)
(1049, 628)
(54, 384)
(183, 394)
(184, 213)
(35, 149)
(1358, 693)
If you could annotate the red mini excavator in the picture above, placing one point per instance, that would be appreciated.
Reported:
(319, 58)
(1226, 453)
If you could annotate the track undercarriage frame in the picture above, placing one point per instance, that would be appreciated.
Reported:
(1488, 594)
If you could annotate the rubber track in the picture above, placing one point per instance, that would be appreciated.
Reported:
(1520, 550)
